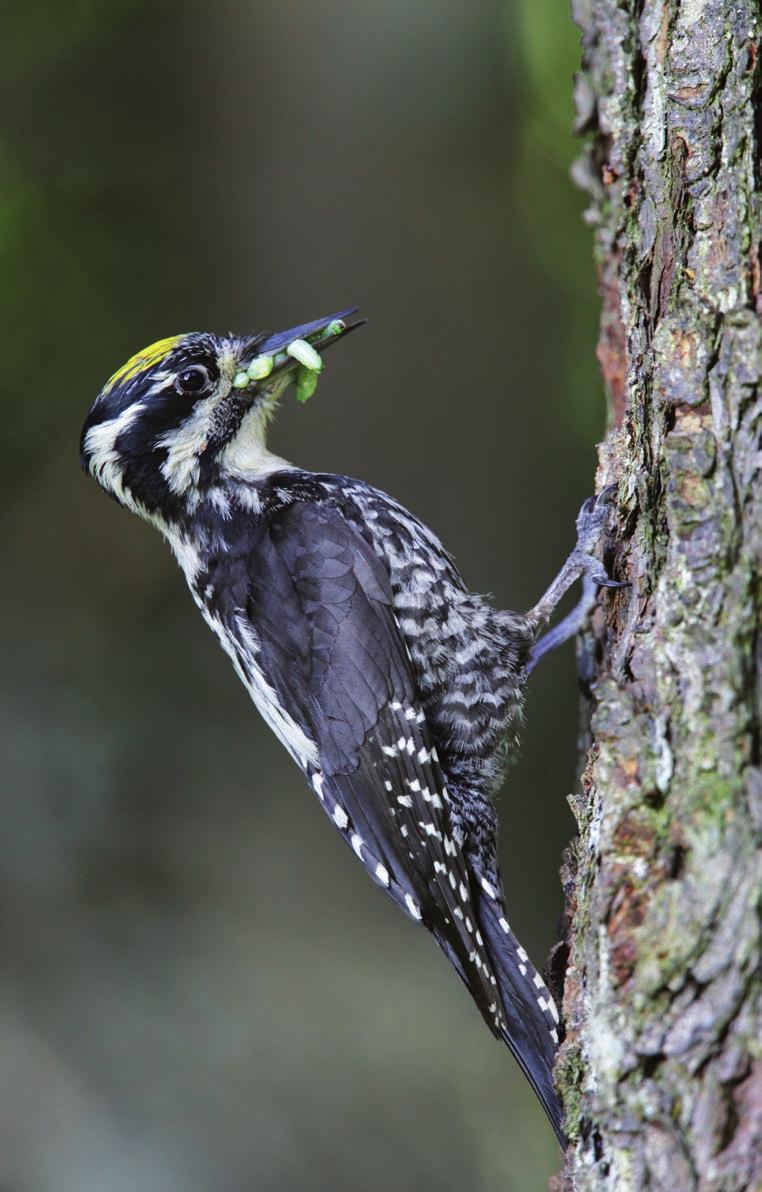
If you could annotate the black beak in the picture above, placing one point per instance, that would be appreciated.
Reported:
(321, 333)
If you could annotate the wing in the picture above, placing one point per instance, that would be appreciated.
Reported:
(314, 623)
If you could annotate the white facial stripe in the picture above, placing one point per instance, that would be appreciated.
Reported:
(100, 446)
(186, 443)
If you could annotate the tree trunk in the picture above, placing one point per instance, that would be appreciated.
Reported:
(661, 1071)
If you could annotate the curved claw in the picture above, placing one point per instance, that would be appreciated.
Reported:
(605, 582)
(595, 570)
(592, 520)
(608, 493)
(595, 503)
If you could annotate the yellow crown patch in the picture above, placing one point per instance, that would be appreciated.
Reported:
(143, 360)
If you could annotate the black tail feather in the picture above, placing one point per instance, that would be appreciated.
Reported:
(531, 1023)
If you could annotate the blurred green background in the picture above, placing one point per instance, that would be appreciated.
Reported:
(200, 988)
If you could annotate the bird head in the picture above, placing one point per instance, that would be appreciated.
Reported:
(186, 410)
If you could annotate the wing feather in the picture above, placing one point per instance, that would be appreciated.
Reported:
(320, 608)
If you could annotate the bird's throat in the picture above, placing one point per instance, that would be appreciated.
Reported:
(247, 451)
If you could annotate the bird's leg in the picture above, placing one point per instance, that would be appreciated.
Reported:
(591, 527)
(570, 626)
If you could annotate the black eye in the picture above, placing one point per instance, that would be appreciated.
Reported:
(191, 380)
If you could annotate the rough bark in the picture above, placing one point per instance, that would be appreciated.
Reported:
(662, 1068)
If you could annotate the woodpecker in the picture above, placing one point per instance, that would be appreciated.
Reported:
(395, 689)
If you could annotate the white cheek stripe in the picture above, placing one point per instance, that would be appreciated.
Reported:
(186, 443)
(100, 446)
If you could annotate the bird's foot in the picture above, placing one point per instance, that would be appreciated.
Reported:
(592, 524)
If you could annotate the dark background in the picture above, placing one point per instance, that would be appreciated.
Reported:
(200, 988)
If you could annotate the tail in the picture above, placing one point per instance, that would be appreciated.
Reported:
(530, 1016)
